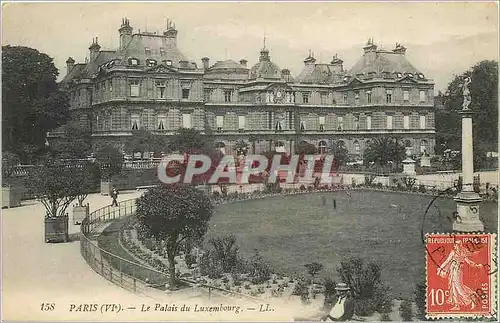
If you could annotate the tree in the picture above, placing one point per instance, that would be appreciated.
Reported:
(110, 161)
(145, 141)
(9, 163)
(174, 213)
(305, 148)
(313, 269)
(55, 185)
(383, 150)
(188, 141)
(339, 152)
(484, 93)
(252, 139)
(226, 251)
(31, 100)
(76, 143)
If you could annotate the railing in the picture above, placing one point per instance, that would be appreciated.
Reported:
(120, 271)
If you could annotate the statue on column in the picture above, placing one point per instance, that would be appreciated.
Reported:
(466, 93)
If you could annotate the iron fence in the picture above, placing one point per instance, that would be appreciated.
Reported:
(125, 273)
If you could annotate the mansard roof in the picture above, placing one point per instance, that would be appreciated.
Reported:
(144, 46)
(319, 73)
(75, 72)
(227, 70)
(380, 61)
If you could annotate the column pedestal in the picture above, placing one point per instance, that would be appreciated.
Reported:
(468, 213)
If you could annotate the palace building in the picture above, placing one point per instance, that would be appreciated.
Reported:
(148, 83)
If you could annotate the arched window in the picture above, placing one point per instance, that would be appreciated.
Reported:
(424, 146)
(356, 147)
(151, 62)
(341, 143)
(322, 145)
(133, 61)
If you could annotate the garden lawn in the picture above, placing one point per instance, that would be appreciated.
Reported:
(291, 231)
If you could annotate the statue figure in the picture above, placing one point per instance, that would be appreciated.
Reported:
(466, 93)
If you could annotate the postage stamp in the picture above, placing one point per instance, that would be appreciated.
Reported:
(461, 275)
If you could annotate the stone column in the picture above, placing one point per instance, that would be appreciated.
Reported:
(467, 200)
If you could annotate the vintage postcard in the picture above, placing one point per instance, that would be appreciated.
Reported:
(249, 161)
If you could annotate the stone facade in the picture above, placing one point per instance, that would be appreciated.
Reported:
(147, 83)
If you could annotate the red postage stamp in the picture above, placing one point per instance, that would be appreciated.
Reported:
(461, 275)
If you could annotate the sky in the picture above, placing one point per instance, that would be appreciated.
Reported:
(438, 32)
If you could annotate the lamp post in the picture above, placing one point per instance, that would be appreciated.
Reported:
(468, 201)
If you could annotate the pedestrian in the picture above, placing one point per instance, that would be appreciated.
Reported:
(114, 196)
(323, 200)
(334, 204)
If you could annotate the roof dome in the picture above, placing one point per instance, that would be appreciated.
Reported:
(265, 68)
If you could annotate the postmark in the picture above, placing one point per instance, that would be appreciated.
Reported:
(461, 275)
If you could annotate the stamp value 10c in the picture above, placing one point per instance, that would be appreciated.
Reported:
(461, 275)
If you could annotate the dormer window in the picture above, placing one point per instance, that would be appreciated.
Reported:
(399, 75)
(410, 74)
(386, 75)
(151, 62)
(168, 62)
(421, 76)
(133, 61)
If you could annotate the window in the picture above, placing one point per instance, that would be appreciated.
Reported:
(278, 126)
(344, 98)
(356, 98)
(290, 120)
(134, 87)
(220, 122)
(185, 93)
(186, 120)
(422, 95)
(399, 75)
(135, 120)
(356, 146)
(151, 62)
(228, 95)
(340, 121)
(147, 50)
(169, 62)
(162, 51)
(368, 122)
(270, 120)
(322, 145)
(160, 85)
(322, 123)
(388, 96)
(162, 120)
(406, 122)
(389, 122)
(207, 93)
(423, 147)
(110, 86)
(134, 61)
(302, 125)
(369, 97)
(422, 122)
(406, 95)
(356, 122)
(324, 98)
(305, 97)
(241, 122)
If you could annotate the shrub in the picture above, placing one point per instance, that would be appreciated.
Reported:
(302, 187)
(302, 289)
(421, 188)
(209, 267)
(419, 296)
(313, 269)
(406, 311)
(216, 194)
(380, 185)
(385, 317)
(329, 292)
(369, 293)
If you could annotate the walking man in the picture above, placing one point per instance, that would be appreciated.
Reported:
(334, 204)
(114, 196)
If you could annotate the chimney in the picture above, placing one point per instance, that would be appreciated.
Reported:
(310, 60)
(94, 49)
(171, 32)
(70, 63)
(206, 62)
(125, 33)
(399, 49)
(337, 64)
(370, 46)
(243, 62)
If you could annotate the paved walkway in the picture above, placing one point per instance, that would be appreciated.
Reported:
(34, 272)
